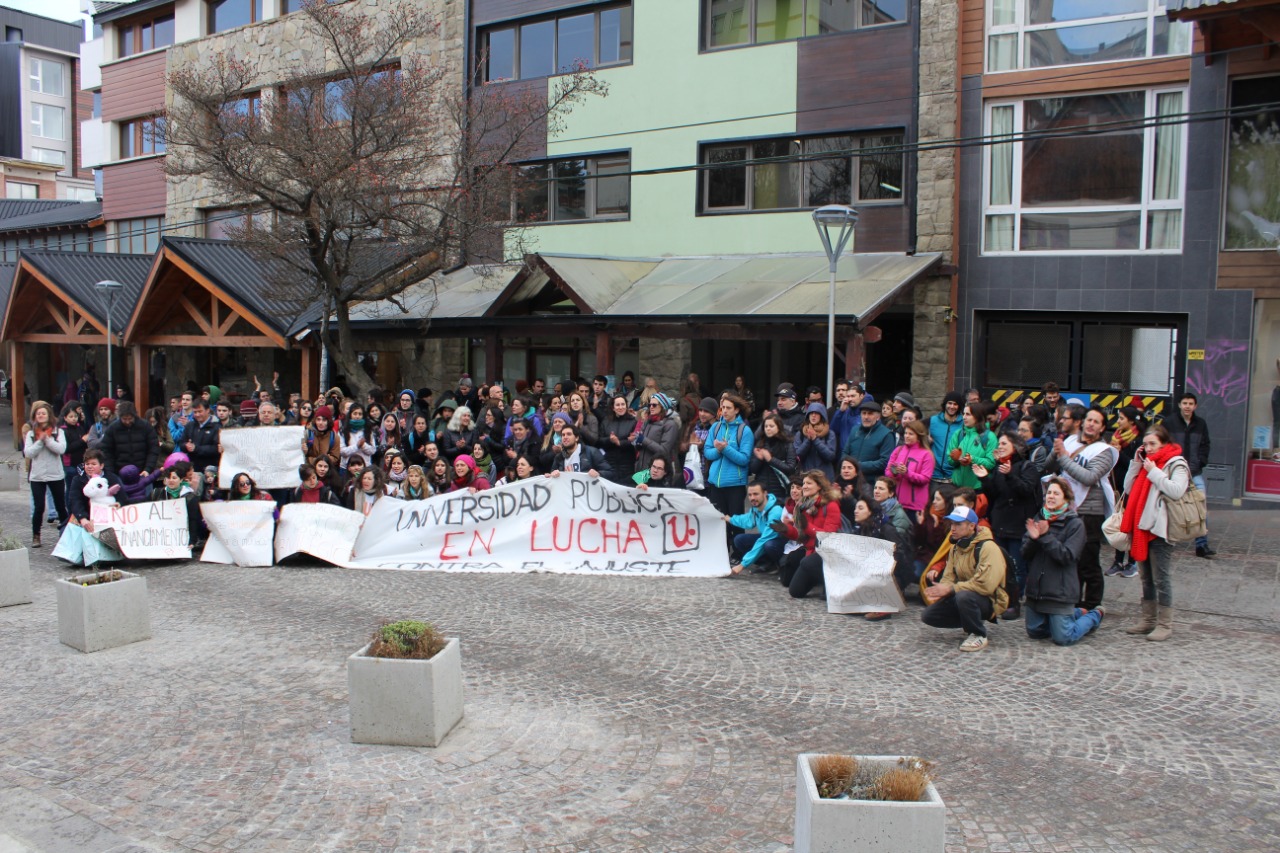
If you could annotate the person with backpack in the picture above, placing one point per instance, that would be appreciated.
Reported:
(972, 589)
(728, 449)
(1158, 475)
(973, 445)
(1052, 545)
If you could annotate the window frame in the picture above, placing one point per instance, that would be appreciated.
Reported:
(145, 136)
(135, 32)
(752, 39)
(1226, 237)
(590, 198)
(34, 188)
(804, 159)
(483, 34)
(257, 14)
(1019, 28)
(143, 228)
(62, 156)
(37, 125)
(1146, 205)
(36, 76)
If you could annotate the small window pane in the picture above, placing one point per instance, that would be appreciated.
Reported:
(1171, 37)
(1002, 52)
(833, 16)
(571, 190)
(228, 14)
(148, 41)
(613, 194)
(49, 155)
(1127, 358)
(164, 31)
(1027, 355)
(1112, 230)
(776, 185)
(1053, 11)
(537, 49)
(124, 42)
(880, 168)
(729, 23)
(727, 185)
(1164, 229)
(779, 20)
(128, 142)
(502, 55)
(575, 45)
(999, 236)
(531, 202)
(830, 181)
(1090, 43)
(615, 35)
(1086, 169)
(876, 12)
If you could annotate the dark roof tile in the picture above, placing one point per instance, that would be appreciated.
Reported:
(77, 213)
(78, 272)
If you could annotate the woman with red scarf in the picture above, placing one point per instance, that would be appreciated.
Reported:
(817, 512)
(1158, 473)
(467, 475)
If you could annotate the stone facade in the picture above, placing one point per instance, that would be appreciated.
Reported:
(935, 198)
(667, 361)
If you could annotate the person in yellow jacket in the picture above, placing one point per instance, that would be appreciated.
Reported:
(971, 592)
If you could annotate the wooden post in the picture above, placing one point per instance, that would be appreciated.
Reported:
(16, 397)
(604, 353)
(140, 370)
(855, 357)
(310, 370)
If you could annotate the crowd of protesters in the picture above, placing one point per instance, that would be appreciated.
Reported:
(991, 511)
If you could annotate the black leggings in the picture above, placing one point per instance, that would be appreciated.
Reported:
(808, 575)
(57, 488)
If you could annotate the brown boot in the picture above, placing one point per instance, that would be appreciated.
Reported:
(1164, 625)
(1147, 623)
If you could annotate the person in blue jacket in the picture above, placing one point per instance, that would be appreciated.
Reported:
(870, 442)
(942, 427)
(758, 551)
(815, 444)
(728, 449)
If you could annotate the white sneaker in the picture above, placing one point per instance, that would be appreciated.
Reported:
(973, 643)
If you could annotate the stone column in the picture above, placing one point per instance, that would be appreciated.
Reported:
(667, 361)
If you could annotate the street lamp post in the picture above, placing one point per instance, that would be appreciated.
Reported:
(109, 289)
(840, 219)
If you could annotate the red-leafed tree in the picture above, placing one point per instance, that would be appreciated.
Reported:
(366, 169)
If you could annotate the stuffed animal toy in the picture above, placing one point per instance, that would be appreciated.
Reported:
(99, 493)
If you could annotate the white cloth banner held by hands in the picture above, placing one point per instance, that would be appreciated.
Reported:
(858, 572)
(270, 455)
(240, 532)
(153, 530)
(321, 530)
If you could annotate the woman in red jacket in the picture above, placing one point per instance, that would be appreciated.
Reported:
(817, 512)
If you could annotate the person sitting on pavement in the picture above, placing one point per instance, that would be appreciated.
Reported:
(312, 490)
(573, 455)
(367, 488)
(1051, 547)
(872, 521)
(467, 475)
(971, 590)
(760, 551)
(173, 486)
(817, 512)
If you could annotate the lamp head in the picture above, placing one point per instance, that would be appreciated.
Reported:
(109, 287)
(835, 215)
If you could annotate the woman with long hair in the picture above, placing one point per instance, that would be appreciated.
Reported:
(1126, 438)
(368, 490)
(911, 466)
(159, 420)
(728, 449)
(76, 433)
(1051, 547)
(587, 423)
(43, 446)
(817, 512)
(416, 440)
(773, 458)
(357, 436)
(615, 439)
(415, 487)
(872, 521)
(1012, 488)
(467, 475)
(389, 438)
(439, 475)
(973, 445)
(659, 435)
(243, 488)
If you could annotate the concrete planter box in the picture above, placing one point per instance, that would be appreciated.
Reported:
(851, 826)
(405, 702)
(15, 577)
(11, 475)
(102, 616)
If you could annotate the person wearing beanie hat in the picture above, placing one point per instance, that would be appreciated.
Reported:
(467, 475)
(942, 427)
(405, 409)
(321, 439)
(106, 412)
(659, 435)
(708, 404)
(248, 413)
(694, 433)
(903, 400)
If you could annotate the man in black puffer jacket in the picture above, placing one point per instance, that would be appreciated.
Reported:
(130, 441)
(200, 437)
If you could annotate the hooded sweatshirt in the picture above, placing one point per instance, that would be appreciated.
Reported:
(817, 453)
(759, 519)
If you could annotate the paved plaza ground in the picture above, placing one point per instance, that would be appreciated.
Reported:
(628, 714)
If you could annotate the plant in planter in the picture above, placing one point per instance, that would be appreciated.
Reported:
(405, 686)
(869, 802)
(15, 572)
(102, 610)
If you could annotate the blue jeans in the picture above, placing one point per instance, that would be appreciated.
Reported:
(1201, 541)
(1064, 630)
(770, 553)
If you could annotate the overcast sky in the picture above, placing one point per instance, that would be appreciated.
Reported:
(63, 10)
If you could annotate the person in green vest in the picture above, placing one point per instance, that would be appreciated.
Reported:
(973, 445)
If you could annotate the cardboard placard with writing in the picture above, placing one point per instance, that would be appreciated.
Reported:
(154, 530)
(270, 455)
(858, 572)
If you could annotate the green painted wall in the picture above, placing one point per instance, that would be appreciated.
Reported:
(671, 84)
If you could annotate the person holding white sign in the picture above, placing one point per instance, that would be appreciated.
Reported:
(817, 512)
(971, 591)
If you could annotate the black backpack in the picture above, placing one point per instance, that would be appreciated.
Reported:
(1010, 583)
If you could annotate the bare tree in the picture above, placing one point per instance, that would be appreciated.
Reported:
(375, 164)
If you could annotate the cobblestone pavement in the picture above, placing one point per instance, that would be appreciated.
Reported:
(626, 714)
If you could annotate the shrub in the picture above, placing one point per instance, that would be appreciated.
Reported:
(834, 774)
(841, 776)
(407, 638)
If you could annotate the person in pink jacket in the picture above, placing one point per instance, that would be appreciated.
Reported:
(911, 467)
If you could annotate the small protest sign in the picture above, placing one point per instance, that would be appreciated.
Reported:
(270, 455)
(321, 530)
(155, 530)
(858, 572)
(240, 532)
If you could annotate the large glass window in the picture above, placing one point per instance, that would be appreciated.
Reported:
(229, 14)
(17, 189)
(736, 22)
(1087, 173)
(139, 36)
(49, 155)
(139, 236)
(49, 122)
(546, 46)
(1026, 355)
(1262, 471)
(1046, 33)
(46, 77)
(792, 174)
(142, 136)
(574, 189)
(1253, 165)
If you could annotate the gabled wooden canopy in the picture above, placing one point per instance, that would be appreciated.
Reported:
(538, 289)
(40, 311)
(180, 306)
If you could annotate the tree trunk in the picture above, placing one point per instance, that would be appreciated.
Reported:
(344, 355)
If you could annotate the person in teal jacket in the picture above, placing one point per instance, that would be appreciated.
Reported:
(870, 442)
(973, 445)
(728, 448)
(759, 551)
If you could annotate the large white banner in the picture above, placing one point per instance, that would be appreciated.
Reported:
(858, 572)
(321, 530)
(156, 530)
(573, 523)
(270, 455)
(240, 532)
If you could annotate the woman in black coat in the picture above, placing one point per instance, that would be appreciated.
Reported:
(615, 439)
(1013, 494)
(1052, 546)
(773, 459)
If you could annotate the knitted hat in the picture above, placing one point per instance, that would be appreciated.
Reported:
(468, 460)
(464, 382)
(407, 392)
(708, 404)
(953, 397)
(562, 416)
(905, 398)
(108, 403)
(662, 400)
(248, 407)
(324, 412)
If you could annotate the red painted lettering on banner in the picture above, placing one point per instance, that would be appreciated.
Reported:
(685, 539)
(476, 538)
(444, 549)
(582, 525)
(634, 534)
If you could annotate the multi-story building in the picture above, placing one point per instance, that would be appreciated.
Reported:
(40, 108)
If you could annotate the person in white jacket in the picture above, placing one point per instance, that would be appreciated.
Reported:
(43, 446)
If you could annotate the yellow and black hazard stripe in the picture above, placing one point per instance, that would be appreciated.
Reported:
(1153, 407)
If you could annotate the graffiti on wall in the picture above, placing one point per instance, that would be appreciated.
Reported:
(1223, 374)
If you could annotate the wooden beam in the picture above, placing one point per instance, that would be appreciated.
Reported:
(191, 309)
(140, 370)
(604, 353)
(276, 338)
(310, 371)
(232, 316)
(80, 322)
(855, 358)
(57, 315)
(17, 376)
(200, 341)
(97, 339)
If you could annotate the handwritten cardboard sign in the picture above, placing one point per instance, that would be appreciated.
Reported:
(270, 455)
(146, 531)
(240, 532)
(858, 572)
(321, 530)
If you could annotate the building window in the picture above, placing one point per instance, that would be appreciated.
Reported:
(97, 105)
(81, 194)
(730, 23)
(1085, 174)
(1253, 167)
(574, 190)
(49, 155)
(220, 222)
(12, 34)
(229, 14)
(558, 45)
(46, 77)
(48, 122)
(141, 136)
(139, 236)
(1046, 33)
(796, 174)
(139, 36)
(17, 189)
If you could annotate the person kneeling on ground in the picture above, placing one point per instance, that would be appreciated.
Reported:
(971, 591)
(312, 491)
(817, 512)
(1051, 548)
(760, 551)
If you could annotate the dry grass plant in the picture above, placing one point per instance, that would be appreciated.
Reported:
(101, 577)
(904, 782)
(834, 774)
(406, 639)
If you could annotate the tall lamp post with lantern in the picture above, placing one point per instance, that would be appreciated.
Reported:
(109, 290)
(835, 224)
